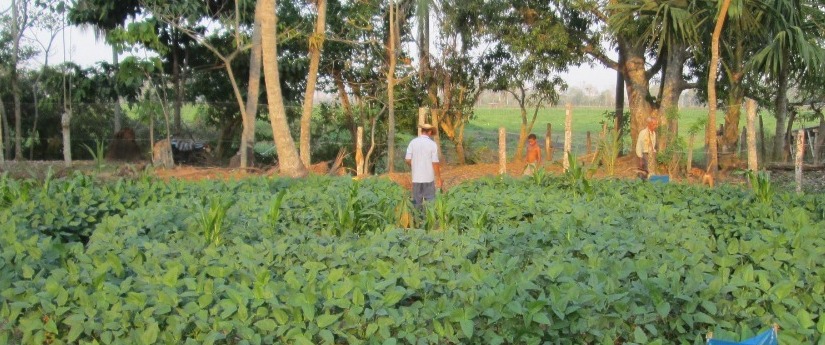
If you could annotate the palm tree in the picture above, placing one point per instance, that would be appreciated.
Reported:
(316, 43)
(289, 160)
(790, 51)
(710, 131)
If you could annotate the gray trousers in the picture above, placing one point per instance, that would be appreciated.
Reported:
(422, 192)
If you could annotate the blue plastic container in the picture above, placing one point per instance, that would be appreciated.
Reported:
(659, 178)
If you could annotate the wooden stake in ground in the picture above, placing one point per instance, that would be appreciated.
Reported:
(359, 152)
(589, 143)
(800, 153)
(750, 108)
(548, 144)
(568, 135)
(502, 151)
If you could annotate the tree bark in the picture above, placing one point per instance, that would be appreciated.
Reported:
(391, 90)
(252, 95)
(6, 138)
(2, 129)
(502, 151)
(800, 154)
(316, 44)
(781, 104)
(568, 136)
(289, 161)
(65, 124)
(733, 114)
(118, 120)
(820, 139)
(17, 35)
(714, 62)
(638, 89)
(672, 87)
(751, 132)
(176, 81)
(619, 112)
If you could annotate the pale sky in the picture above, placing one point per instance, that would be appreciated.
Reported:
(84, 49)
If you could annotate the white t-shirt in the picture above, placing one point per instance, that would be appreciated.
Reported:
(422, 152)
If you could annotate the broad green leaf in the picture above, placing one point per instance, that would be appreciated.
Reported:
(326, 319)
(467, 328)
(266, 325)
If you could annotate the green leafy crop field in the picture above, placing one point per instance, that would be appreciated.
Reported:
(553, 260)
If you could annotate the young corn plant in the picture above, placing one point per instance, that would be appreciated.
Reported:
(576, 177)
(540, 176)
(98, 153)
(403, 213)
(438, 213)
(274, 215)
(761, 185)
(211, 220)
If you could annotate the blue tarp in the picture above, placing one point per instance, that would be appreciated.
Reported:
(766, 338)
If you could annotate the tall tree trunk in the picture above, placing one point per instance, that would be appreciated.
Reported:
(619, 112)
(349, 117)
(36, 116)
(289, 160)
(781, 104)
(17, 35)
(820, 139)
(714, 65)
(176, 81)
(672, 86)
(638, 89)
(2, 130)
(316, 44)
(118, 111)
(6, 129)
(736, 96)
(391, 90)
(65, 124)
(252, 95)
(459, 145)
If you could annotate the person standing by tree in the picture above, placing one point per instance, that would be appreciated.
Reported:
(533, 155)
(646, 146)
(422, 157)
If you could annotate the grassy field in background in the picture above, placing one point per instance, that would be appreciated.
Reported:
(482, 131)
(584, 119)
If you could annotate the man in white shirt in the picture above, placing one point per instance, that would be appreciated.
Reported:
(646, 146)
(422, 157)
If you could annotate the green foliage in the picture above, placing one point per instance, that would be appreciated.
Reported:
(760, 183)
(211, 220)
(576, 177)
(515, 263)
(609, 147)
(540, 176)
(98, 154)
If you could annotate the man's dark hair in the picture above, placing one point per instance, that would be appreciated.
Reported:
(531, 136)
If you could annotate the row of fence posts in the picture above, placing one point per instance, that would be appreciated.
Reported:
(749, 135)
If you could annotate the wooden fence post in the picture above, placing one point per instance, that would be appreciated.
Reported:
(548, 144)
(800, 153)
(589, 143)
(750, 108)
(568, 135)
(502, 151)
(359, 152)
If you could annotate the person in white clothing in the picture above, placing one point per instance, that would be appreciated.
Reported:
(422, 157)
(646, 146)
